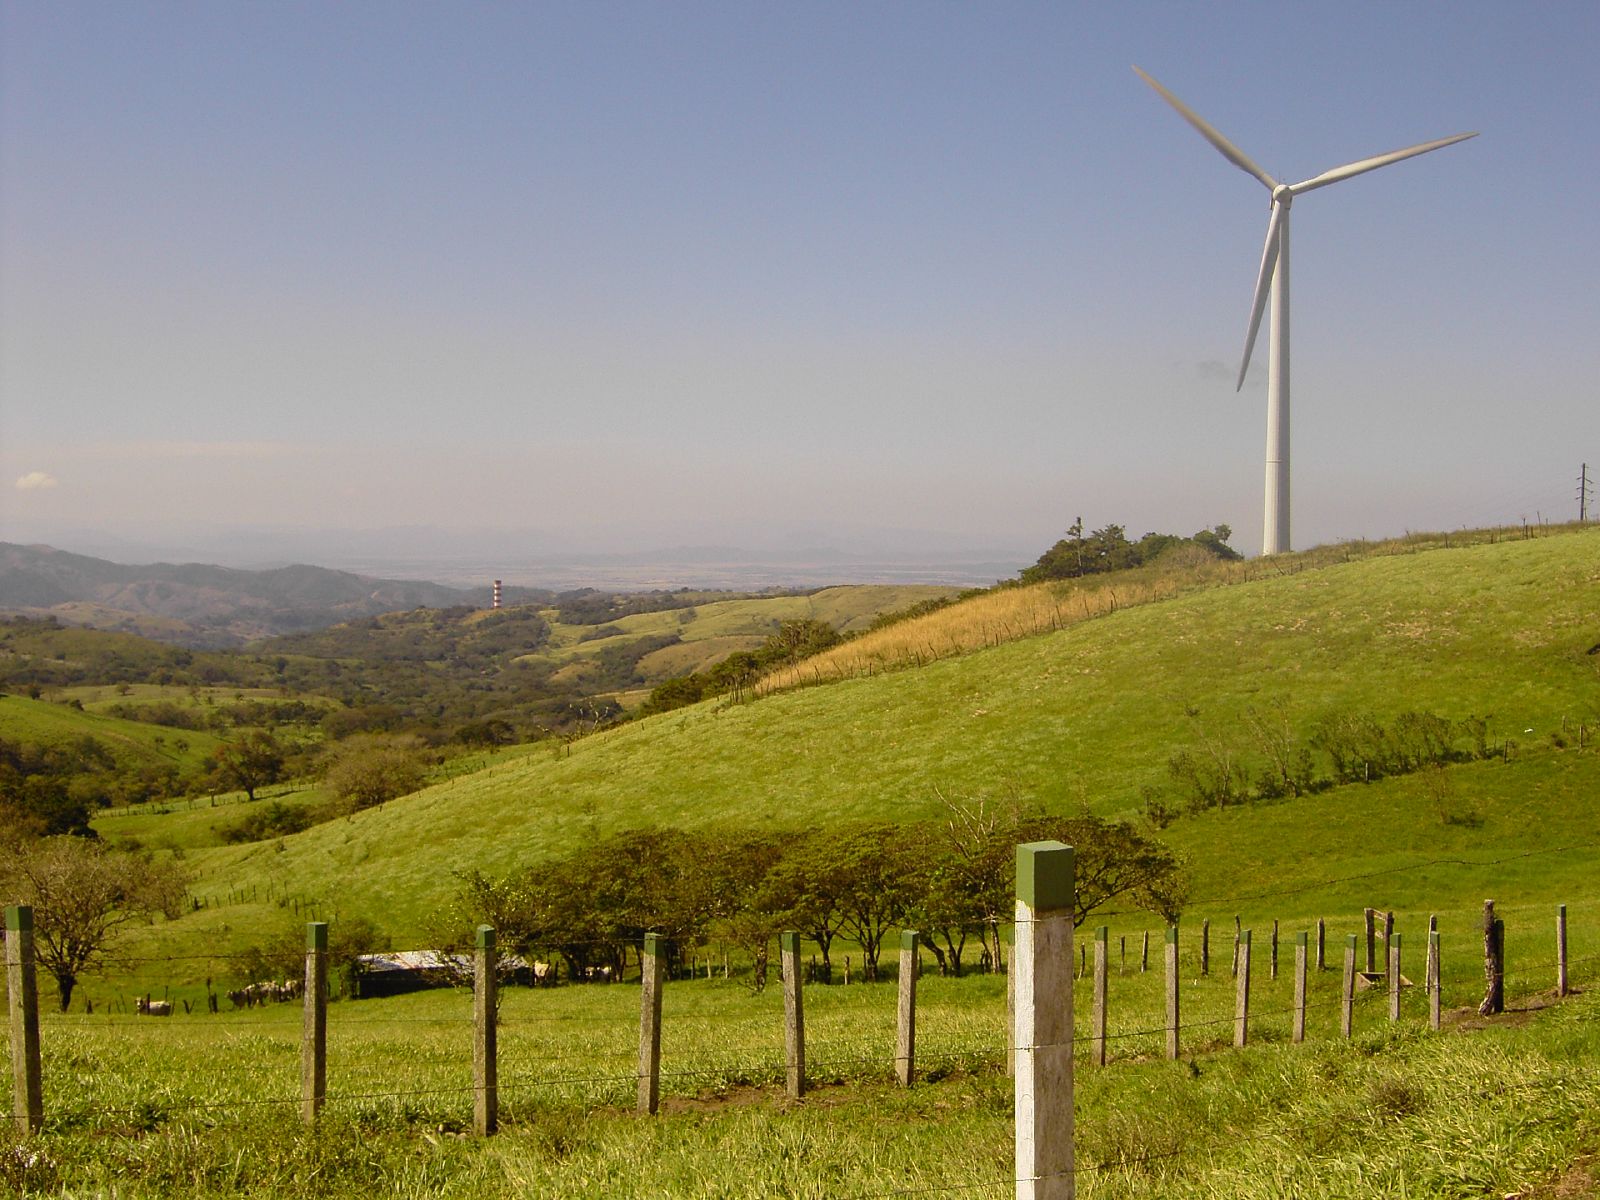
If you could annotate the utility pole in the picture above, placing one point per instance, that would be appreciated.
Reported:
(1584, 489)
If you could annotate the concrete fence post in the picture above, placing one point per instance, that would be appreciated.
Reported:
(22, 985)
(1347, 993)
(905, 1044)
(1563, 986)
(1173, 991)
(1102, 971)
(1394, 977)
(1300, 955)
(1241, 1016)
(314, 1030)
(1042, 961)
(485, 1053)
(794, 1022)
(651, 974)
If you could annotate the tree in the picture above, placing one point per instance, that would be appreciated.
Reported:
(82, 895)
(253, 761)
(369, 771)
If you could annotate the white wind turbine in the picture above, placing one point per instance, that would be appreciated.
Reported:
(1275, 272)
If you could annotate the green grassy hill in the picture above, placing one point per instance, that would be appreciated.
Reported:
(133, 744)
(1088, 716)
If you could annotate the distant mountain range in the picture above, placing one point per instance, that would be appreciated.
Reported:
(201, 605)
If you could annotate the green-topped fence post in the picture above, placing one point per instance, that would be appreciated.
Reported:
(485, 1056)
(1394, 977)
(1241, 1014)
(1347, 993)
(314, 1032)
(1173, 990)
(651, 975)
(905, 1043)
(794, 1022)
(1563, 986)
(1300, 956)
(22, 985)
(1042, 961)
(1102, 970)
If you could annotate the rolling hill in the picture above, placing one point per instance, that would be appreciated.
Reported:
(1088, 716)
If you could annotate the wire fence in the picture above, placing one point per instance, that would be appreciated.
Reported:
(974, 1042)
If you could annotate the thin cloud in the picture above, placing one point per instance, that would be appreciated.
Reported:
(35, 481)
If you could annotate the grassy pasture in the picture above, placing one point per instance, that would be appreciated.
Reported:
(132, 743)
(1087, 715)
(206, 1105)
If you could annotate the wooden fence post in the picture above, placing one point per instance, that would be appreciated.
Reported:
(1435, 986)
(1494, 978)
(794, 1024)
(1097, 1028)
(651, 972)
(314, 1031)
(1432, 963)
(1274, 949)
(1300, 987)
(1370, 917)
(1347, 995)
(905, 1048)
(1205, 946)
(1322, 944)
(1238, 932)
(1144, 954)
(1241, 1017)
(1042, 960)
(1394, 977)
(485, 1050)
(22, 985)
(1173, 990)
(1562, 986)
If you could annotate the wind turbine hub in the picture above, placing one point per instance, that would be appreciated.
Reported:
(1283, 194)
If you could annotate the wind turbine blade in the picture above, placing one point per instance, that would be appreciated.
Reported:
(1229, 151)
(1258, 305)
(1372, 164)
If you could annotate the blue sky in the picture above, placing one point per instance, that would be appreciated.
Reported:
(614, 276)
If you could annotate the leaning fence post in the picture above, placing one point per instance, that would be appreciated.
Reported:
(485, 1060)
(1144, 954)
(314, 1034)
(905, 1045)
(1042, 960)
(1434, 986)
(1347, 995)
(1241, 1016)
(794, 1024)
(1562, 986)
(1300, 986)
(1097, 1029)
(1172, 990)
(22, 984)
(650, 979)
(1394, 977)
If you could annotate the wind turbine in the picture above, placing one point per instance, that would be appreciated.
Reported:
(1274, 277)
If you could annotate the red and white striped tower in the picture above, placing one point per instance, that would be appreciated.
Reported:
(496, 603)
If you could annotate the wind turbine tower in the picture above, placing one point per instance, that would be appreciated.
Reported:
(1273, 279)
